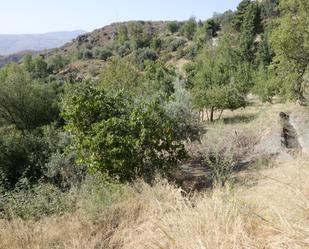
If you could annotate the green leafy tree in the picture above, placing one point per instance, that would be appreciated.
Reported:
(266, 84)
(24, 154)
(158, 79)
(219, 83)
(121, 139)
(206, 32)
(188, 29)
(290, 41)
(269, 9)
(240, 13)
(181, 110)
(122, 34)
(37, 67)
(265, 52)
(140, 35)
(56, 63)
(120, 74)
(250, 27)
(173, 26)
(24, 102)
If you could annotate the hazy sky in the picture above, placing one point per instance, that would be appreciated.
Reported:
(38, 16)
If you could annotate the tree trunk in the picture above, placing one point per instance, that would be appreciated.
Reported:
(207, 114)
(212, 114)
(220, 114)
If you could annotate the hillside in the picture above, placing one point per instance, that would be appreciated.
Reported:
(11, 44)
(161, 135)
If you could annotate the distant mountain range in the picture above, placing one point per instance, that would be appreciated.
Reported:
(11, 44)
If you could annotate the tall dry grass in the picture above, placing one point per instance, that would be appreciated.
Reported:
(273, 214)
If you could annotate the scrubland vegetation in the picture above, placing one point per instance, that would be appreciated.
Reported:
(161, 135)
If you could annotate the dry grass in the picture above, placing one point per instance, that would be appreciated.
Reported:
(272, 214)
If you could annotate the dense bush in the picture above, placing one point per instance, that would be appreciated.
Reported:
(86, 54)
(173, 26)
(36, 202)
(118, 74)
(37, 67)
(23, 154)
(26, 103)
(119, 138)
(188, 29)
(180, 109)
(57, 62)
(146, 54)
(158, 79)
(123, 49)
(177, 43)
(103, 53)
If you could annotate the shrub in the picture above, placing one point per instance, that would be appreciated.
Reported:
(103, 53)
(26, 103)
(173, 26)
(121, 139)
(146, 54)
(190, 52)
(57, 62)
(180, 110)
(87, 54)
(189, 28)
(23, 154)
(123, 49)
(177, 43)
(36, 202)
(158, 79)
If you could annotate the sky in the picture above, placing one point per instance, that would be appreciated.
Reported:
(40, 16)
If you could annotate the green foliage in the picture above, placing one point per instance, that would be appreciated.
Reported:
(173, 26)
(122, 34)
(250, 27)
(140, 35)
(190, 52)
(290, 42)
(118, 138)
(145, 54)
(220, 82)
(36, 202)
(188, 29)
(206, 32)
(156, 43)
(240, 13)
(158, 79)
(269, 9)
(97, 194)
(265, 53)
(176, 43)
(23, 154)
(103, 53)
(56, 63)
(37, 67)
(124, 49)
(181, 110)
(26, 103)
(118, 74)
(266, 84)
(86, 54)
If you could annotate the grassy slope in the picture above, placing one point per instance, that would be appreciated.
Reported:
(270, 211)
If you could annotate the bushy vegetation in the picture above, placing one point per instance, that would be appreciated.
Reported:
(132, 106)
